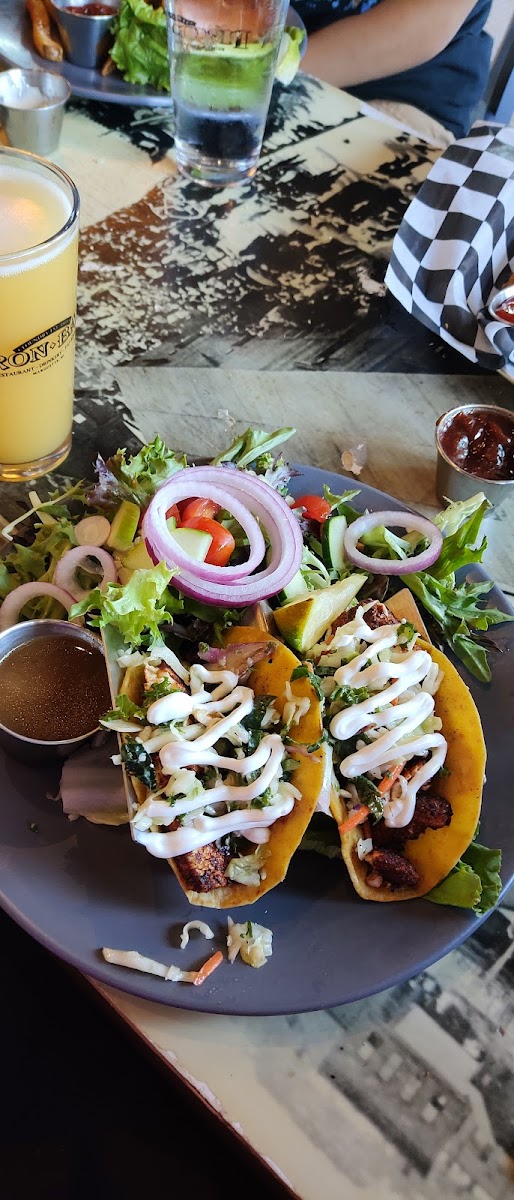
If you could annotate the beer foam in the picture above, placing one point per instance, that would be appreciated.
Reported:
(32, 209)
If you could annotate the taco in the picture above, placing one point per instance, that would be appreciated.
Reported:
(409, 755)
(228, 830)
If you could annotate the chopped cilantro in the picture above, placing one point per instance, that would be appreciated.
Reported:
(311, 748)
(370, 795)
(347, 695)
(262, 801)
(162, 687)
(444, 773)
(138, 762)
(125, 710)
(249, 929)
(346, 747)
(303, 671)
(407, 631)
(253, 722)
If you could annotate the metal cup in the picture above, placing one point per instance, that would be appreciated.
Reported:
(32, 109)
(86, 40)
(453, 482)
(31, 751)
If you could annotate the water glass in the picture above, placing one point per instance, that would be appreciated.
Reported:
(223, 55)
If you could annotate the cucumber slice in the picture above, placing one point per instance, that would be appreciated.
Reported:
(194, 542)
(124, 526)
(137, 559)
(332, 542)
(295, 588)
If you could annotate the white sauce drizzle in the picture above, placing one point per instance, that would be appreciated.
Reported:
(216, 714)
(412, 673)
(206, 829)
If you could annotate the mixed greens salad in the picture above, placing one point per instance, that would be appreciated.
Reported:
(454, 608)
(156, 607)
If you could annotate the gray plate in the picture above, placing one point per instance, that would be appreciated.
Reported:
(17, 50)
(77, 887)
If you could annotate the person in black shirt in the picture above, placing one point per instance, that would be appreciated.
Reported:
(431, 54)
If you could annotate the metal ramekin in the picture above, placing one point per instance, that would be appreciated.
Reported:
(86, 40)
(31, 751)
(37, 130)
(453, 482)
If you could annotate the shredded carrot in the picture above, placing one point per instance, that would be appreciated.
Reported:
(356, 817)
(389, 778)
(208, 967)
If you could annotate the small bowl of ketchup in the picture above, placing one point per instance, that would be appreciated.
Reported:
(85, 29)
(475, 453)
(501, 307)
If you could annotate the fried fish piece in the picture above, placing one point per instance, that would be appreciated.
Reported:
(204, 869)
(431, 812)
(375, 616)
(393, 868)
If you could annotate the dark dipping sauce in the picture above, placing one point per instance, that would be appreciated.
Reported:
(481, 443)
(91, 10)
(53, 689)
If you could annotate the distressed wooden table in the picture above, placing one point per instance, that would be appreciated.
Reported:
(202, 313)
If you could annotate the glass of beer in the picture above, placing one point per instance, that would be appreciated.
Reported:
(223, 57)
(39, 208)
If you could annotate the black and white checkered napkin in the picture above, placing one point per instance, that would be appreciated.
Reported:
(455, 246)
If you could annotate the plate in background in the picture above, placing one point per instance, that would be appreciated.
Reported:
(17, 50)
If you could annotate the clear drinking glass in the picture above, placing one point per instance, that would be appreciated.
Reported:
(39, 208)
(223, 55)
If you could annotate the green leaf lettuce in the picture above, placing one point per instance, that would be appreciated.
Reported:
(474, 881)
(140, 48)
(136, 608)
(322, 836)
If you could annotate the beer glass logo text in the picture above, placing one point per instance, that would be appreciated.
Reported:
(44, 346)
(205, 38)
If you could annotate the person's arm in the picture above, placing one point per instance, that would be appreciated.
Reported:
(391, 37)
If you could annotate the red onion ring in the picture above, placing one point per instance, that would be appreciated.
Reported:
(20, 596)
(392, 566)
(164, 544)
(64, 574)
(253, 503)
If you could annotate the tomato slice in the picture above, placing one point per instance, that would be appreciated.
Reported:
(222, 545)
(182, 504)
(173, 512)
(198, 508)
(315, 508)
